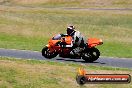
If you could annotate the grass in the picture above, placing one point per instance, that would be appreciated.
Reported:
(20, 42)
(72, 3)
(30, 28)
(20, 73)
(121, 50)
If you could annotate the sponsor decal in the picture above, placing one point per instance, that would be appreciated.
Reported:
(83, 78)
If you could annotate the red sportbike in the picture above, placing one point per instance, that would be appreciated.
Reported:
(63, 46)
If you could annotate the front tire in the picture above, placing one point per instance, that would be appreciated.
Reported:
(91, 55)
(47, 54)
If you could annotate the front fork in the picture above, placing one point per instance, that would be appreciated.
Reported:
(51, 49)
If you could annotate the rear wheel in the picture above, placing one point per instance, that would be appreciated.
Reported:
(47, 54)
(91, 55)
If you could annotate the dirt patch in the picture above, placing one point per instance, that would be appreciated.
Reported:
(97, 2)
(30, 1)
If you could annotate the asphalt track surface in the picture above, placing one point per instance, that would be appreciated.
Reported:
(102, 61)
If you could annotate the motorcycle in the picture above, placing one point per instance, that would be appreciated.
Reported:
(63, 45)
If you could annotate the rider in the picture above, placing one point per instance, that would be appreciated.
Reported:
(78, 39)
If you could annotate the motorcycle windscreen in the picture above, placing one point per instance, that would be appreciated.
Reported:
(57, 37)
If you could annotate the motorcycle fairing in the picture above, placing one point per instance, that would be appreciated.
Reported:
(52, 45)
(92, 42)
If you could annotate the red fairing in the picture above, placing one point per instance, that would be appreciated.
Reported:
(92, 42)
(52, 44)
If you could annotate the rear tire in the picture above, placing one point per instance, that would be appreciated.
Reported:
(91, 55)
(47, 54)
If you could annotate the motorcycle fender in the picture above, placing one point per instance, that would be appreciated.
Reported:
(50, 48)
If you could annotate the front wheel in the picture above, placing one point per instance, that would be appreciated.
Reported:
(47, 54)
(91, 55)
